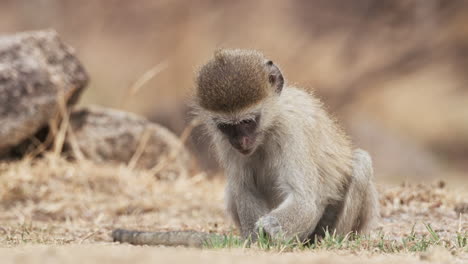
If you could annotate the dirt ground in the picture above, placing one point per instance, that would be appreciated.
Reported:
(129, 254)
(62, 212)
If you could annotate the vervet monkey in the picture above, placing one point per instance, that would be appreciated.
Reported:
(290, 169)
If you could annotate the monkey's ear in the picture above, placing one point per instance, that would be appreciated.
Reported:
(275, 77)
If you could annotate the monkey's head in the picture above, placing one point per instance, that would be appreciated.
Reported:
(236, 91)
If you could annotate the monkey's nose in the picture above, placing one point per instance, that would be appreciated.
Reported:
(245, 142)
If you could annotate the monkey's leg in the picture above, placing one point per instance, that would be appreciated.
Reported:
(245, 206)
(170, 238)
(361, 202)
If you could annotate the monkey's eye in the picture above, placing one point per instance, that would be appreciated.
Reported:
(247, 121)
(222, 126)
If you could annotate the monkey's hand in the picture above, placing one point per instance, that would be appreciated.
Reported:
(271, 226)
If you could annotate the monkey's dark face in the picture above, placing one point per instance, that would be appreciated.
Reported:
(242, 135)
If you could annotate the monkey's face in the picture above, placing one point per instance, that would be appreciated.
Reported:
(233, 90)
(242, 134)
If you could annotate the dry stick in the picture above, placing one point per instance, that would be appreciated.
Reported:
(61, 133)
(39, 147)
(140, 148)
(169, 238)
(77, 153)
(188, 129)
(140, 82)
(65, 128)
(87, 237)
(460, 222)
(173, 154)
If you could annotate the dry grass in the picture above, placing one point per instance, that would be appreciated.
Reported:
(54, 201)
(54, 194)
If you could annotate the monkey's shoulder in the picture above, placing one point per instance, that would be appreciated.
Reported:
(304, 117)
(295, 96)
(301, 107)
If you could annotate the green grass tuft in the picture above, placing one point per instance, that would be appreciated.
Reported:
(331, 241)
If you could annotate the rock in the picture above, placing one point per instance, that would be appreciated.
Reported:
(175, 119)
(106, 135)
(394, 155)
(36, 68)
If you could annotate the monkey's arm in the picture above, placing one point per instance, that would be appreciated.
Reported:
(300, 211)
(170, 238)
(296, 216)
(246, 206)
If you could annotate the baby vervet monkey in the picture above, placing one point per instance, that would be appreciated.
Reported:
(290, 169)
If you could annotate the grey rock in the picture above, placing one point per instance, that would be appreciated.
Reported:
(107, 135)
(36, 69)
(394, 155)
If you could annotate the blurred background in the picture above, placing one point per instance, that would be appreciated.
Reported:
(393, 72)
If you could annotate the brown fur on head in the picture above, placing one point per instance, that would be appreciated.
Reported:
(236, 79)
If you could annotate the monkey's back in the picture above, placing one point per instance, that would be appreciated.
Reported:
(321, 146)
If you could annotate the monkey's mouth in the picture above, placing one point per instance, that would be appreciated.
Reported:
(246, 151)
(244, 144)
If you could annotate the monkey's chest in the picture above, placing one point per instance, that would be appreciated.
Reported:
(267, 186)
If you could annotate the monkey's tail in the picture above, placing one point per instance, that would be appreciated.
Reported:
(169, 238)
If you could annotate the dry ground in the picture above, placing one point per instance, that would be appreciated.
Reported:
(56, 210)
(117, 254)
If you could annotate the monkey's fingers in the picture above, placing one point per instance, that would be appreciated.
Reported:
(170, 238)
